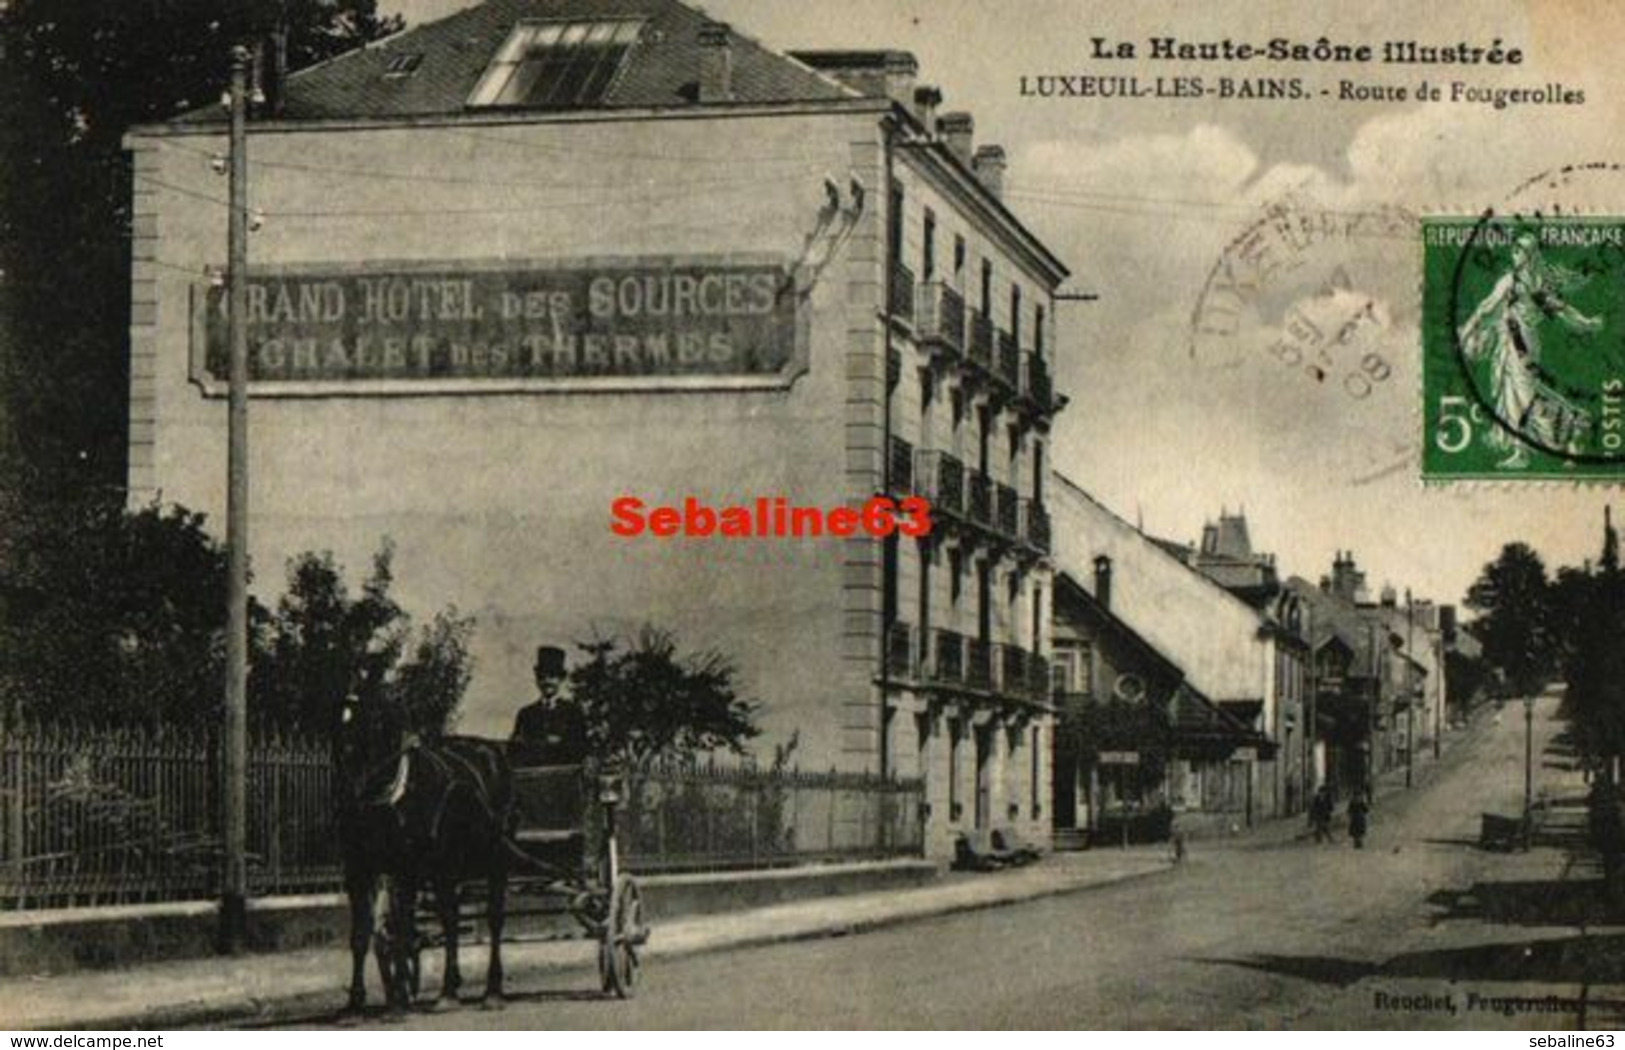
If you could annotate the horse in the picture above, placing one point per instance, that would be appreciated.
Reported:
(411, 814)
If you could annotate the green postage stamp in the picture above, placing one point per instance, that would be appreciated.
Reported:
(1523, 348)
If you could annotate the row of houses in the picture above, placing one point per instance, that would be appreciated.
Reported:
(512, 266)
(1192, 680)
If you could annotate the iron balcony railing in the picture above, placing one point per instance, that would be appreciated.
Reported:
(1034, 525)
(940, 316)
(947, 664)
(980, 490)
(981, 340)
(900, 655)
(902, 292)
(979, 670)
(1040, 388)
(1007, 513)
(1007, 361)
(902, 465)
(940, 478)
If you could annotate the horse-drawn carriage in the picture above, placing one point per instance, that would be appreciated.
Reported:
(567, 864)
(452, 815)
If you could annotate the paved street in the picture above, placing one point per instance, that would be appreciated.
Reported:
(1261, 935)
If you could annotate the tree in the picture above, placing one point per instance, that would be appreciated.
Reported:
(1513, 600)
(643, 701)
(1594, 653)
(321, 645)
(111, 616)
(75, 75)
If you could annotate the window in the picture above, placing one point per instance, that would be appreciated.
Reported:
(1038, 331)
(1038, 472)
(954, 733)
(925, 588)
(928, 265)
(1060, 675)
(894, 243)
(404, 65)
(1015, 313)
(1037, 808)
(1038, 618)
(959, 261)
(987, 288)
(956, 569)
(557, 65)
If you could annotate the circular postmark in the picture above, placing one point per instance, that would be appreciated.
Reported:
(1535, 329)
(1318, 295)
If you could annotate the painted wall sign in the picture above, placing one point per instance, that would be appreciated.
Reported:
(616, 322)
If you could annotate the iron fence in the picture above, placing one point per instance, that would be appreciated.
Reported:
(93, 816)
(708, 816)
(99, 816)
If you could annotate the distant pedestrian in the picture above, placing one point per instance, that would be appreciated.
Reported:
(1359, 814)
(1320, 814)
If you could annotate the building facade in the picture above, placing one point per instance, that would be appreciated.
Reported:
(1137, 747)
(513, 267)
(1250, 661)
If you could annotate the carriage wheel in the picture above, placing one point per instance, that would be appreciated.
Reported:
(624, 935)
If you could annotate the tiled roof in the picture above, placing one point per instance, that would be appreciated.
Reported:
(661, 70)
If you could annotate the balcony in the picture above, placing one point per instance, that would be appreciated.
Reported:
(1007, 518)
(979, 672)
(940, 478)
(902, 292)
(981, 340)
(980, 506)
(947, 666)
(900, 462)
(1007, 361)
(940, 317)
(900, 650)
(1034, 525)
(1040, 388)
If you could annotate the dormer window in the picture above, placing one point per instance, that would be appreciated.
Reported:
(557, 65)
(403, 65)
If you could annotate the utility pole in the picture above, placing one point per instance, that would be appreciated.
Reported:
(1410, 691)
(1528, 768)
(234, 888)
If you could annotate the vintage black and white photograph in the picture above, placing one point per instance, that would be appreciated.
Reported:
(808, 514)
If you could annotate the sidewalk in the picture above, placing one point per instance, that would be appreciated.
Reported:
(288, 984)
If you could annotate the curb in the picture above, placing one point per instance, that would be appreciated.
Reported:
(248, 1011)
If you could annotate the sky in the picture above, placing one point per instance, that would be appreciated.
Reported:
(1142, 198)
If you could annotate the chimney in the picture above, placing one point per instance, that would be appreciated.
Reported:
(1103, 581)
(716, 63)
(958, 130)
(989, 165)
(1447, 623)
(874, 74)
(926, 101)
(901, 68)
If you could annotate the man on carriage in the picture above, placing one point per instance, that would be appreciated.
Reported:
(549, 731)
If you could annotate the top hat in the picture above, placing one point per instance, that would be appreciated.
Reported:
(549, 661)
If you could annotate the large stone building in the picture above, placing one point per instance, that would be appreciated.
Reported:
(512, 266)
